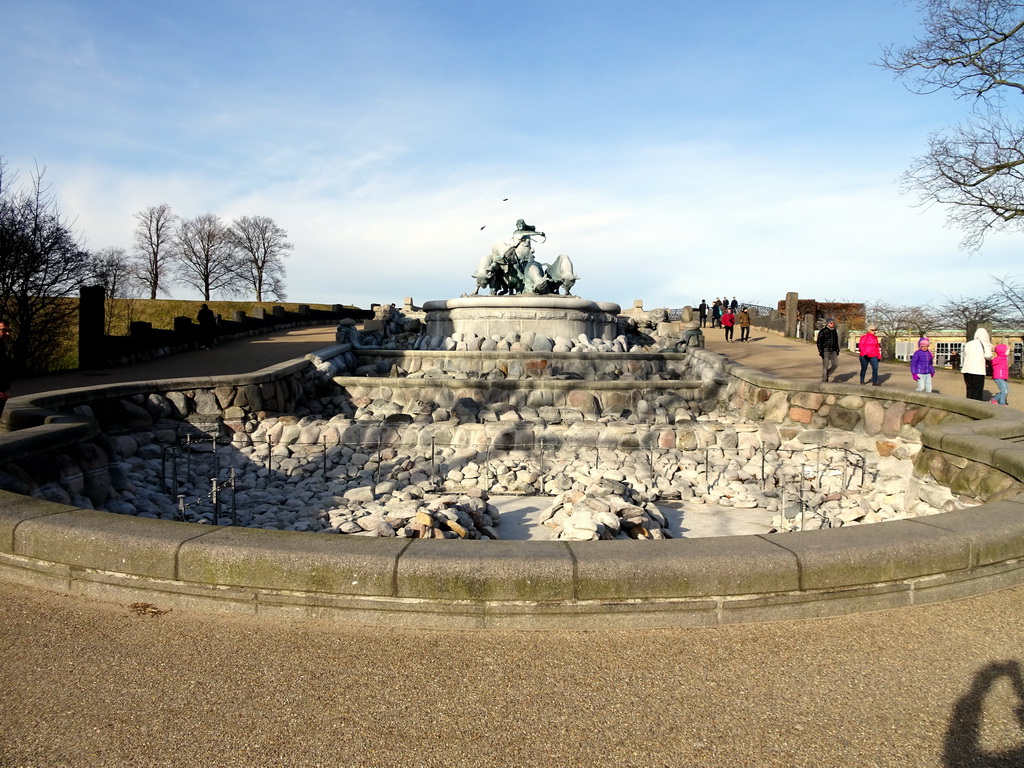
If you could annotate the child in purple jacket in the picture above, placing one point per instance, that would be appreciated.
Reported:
(922, 366)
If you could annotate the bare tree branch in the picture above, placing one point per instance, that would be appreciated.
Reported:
(973, 49)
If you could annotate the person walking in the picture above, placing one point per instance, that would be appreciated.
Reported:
(733, 304)
(954, 360)
(207, 326)
(976, 352)
(716, 313)
(6, 365)
(728, 321)
(922, 365)
(1001, 374)
(828, 349)
(744, 322)
(870, 353)
(702, 312)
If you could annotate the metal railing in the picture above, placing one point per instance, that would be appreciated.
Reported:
(183, 472)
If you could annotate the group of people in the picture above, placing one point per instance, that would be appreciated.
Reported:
(724, 315)
(980, 358)
(715, 310)
(974, 365)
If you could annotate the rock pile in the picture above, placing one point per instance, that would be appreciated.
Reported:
(297, 496)
(608, 509)
(302, 475)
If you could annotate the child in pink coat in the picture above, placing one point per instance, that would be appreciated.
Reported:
(1000, 374)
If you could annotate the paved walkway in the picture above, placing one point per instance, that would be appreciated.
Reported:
(85, 683)
(797, 359)
(240, 356)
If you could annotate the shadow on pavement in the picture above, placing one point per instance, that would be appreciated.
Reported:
(963, 746)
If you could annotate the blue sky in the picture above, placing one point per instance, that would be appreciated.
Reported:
(674, 150)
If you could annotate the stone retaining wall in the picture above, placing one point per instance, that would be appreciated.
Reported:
(594, 366)
(973, 448)
(477, 584)
(62, 446)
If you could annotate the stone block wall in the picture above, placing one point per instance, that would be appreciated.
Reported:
(963, 441)
(51, 456)
(518, 366)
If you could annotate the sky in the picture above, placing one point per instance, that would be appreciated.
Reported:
(674, 150)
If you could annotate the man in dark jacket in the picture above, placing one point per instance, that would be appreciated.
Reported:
(828, 349)
(6, 364)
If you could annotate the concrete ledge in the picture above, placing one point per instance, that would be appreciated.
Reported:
(65, 398)
(486, 570)
(874, 554)
(88, 538)
(279, 560)
(995, 531)
(16, 509)
(729, 565)
(526, 585)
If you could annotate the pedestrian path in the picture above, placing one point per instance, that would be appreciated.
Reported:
(798, 359)
(240, 356)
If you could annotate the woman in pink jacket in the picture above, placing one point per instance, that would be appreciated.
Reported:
(870, 353)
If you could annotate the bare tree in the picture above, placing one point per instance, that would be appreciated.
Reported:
(973, 49)
(207, 259)
(1011, 301)
(966, 312)
(922, 318)
(154, 247)
(892, 320)
(112, 268)
(262, 247)
(42, 267)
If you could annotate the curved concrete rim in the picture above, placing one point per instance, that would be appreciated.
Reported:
(522, 585)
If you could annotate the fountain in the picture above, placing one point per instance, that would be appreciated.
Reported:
(525, 298)
(397, 435)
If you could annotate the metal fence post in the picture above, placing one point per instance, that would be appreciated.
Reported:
(215, 497)
(234, 506)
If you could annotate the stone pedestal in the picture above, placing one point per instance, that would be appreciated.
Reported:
(500, 315)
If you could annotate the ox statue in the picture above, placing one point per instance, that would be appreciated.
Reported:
(510, 267)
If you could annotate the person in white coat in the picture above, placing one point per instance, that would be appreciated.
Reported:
(976, 352)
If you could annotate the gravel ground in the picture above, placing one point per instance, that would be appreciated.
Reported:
(86, 683)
